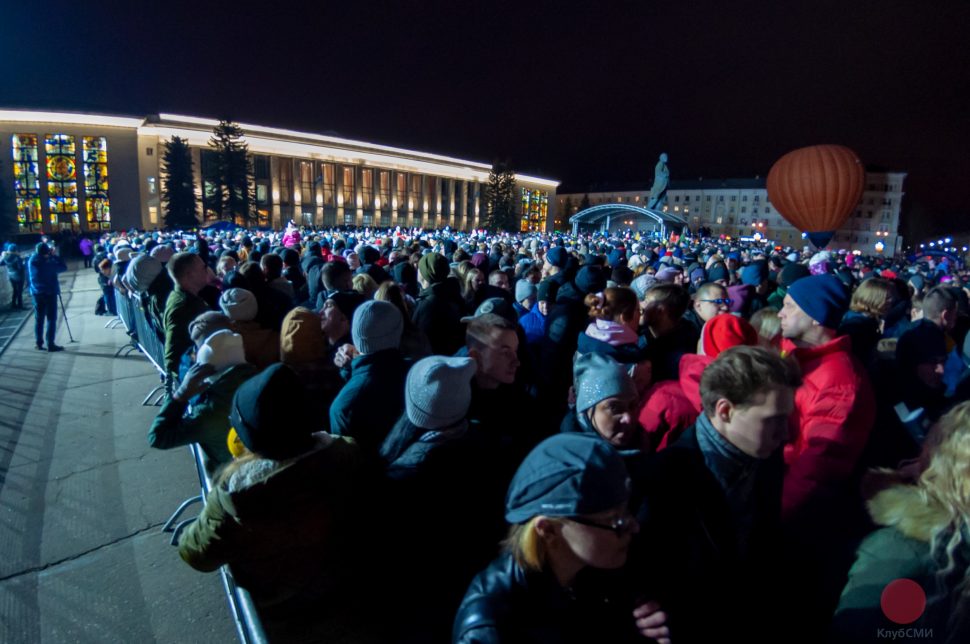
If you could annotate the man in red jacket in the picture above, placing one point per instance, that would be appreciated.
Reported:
(834, 413)
(834, 407)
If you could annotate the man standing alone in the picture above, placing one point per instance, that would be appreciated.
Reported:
(43, 268)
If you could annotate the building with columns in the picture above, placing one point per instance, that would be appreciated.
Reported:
(58, 167)
(740, 208)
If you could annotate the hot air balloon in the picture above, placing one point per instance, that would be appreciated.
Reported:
(816, 189)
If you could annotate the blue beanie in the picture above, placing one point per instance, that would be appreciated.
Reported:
(567, 475)
(754, 274)
(598, 377)
(590, 279)
(822, 297)
(557, 256)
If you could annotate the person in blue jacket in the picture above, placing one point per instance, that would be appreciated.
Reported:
(43, 267)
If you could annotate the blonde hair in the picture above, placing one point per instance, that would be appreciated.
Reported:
(614, 304)
(466, 285)
(945, 484)
(873, 298)
(526, 545)
(365, 285)
(768, 325)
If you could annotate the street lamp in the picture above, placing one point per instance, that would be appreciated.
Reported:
(880, 247)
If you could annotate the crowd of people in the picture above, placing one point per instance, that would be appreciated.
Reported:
(565, 438)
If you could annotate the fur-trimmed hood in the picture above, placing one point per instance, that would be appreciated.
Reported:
(904, 508)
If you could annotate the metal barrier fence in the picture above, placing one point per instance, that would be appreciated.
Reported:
(148, 340)
(248, 625)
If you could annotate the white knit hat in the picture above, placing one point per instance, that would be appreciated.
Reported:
(438, 391)
(222, 349)
(377, 325)
(239, 304)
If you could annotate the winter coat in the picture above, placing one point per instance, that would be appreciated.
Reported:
(372, 400)
(688, 540)
(834, 414)
(439, 483)
(181, 308)
(900, 549)
(507, 603)
(206, 422)
(282, 526)
(534, 325)
(86, 245)
(438, 313)
(626, 353)
(15, 266)
(672, 406)
(42, 271)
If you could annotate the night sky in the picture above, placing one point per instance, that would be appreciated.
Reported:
(583, 92)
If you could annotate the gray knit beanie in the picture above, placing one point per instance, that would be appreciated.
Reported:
(438, 391)
(524, 290)
(377, 325)
(598, 377)
(239, 304)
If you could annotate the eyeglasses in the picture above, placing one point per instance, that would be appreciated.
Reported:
(619, 526)
(721, 300)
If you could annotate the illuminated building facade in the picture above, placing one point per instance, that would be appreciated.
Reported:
(740, 208)
(58, 165)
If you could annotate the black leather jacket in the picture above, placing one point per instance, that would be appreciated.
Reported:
(505, 603)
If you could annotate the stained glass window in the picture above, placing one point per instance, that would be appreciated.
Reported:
(62, 179)
(30, 218)
(95, 162)
(535, 209)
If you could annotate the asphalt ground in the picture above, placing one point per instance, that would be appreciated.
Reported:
(83, 497)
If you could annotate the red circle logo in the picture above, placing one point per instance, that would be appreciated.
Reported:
(903, 601)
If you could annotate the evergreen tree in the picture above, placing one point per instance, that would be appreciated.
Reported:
(234, 180)
(500, 199)
(584, 203)
(567, 209)
(178, 193)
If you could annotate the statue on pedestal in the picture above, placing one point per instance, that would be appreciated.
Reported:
(658, 192)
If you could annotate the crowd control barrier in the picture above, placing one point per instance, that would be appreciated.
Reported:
(247, 621)
(144, 337)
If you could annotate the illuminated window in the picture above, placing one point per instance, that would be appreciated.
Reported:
(385, 188)
(349, 197)
(416, 191)
(62, 180)
(329, 174)
(402, 192)
(26, 181)
(97, 206)
(367, 187)
(286, 181)
(535, 208)
(307, 192)
(430, 193)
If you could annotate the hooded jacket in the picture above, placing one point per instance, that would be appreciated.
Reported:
(438, 313)
(901, 549)
(283, 526)
(206, 422)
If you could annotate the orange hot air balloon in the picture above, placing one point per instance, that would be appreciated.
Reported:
(816, 189)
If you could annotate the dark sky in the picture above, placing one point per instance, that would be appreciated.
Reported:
(578, 91)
